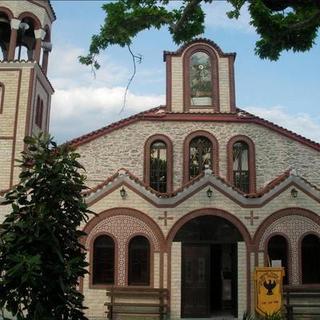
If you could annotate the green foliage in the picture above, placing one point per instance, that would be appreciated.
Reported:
(281, 24)
(274, 316)
(248, 316)
(294, 29)
(41, 259)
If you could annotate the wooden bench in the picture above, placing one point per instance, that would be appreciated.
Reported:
(302, 303)
(138, 302)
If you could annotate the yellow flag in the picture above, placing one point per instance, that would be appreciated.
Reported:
(268, 285)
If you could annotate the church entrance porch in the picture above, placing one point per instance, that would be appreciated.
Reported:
(209, 268)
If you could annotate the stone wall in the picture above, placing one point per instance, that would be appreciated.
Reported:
(16, 79)
(172, 265)
(124, 147)
(17, 7)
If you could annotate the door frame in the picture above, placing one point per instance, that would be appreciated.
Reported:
(234, 280)
(195, 244)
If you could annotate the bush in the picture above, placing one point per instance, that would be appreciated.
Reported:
(41, 259)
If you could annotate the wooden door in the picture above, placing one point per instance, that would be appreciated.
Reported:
(195, 280)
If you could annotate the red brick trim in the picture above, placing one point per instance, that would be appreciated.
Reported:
(151, 261)
(27, 14)
(196, 41)
(279, 214)
(300, 258)
(209, 212)
(251, 160)
(169, 83)
(116, 262)
(232, 84)
(15, 129)
(155, 115)
(2, 87)
(147, 146)
(218, 213)
(7, 11)
(126, 211)
(46, 8)
(29, 106)
(214, 77)
(215, 152)
(289, 252)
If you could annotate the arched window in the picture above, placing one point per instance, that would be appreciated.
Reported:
(158, 166)
(103, 260)
(310, 259)
(241, 163)
(1, 96)
(5, 34)
(26, 41)
(46, 48)
(139, 261)
(278, 250)
(240, 153)
(200, 79)
(39, 113)
(200, 155)
(158, 163)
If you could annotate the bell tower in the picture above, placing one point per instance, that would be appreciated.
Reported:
(25, 91)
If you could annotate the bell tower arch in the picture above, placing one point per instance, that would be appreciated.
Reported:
(25, 91)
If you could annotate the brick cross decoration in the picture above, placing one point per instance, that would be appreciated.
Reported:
(165, 218)
(251, 218)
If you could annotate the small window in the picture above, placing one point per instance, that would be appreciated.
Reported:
(139, 261)
(1, 96)
(241, 166)
(200, 80)
(200, 155)
(158, 166)
(26, 41)
(39, 113)
(310, 256)
(103, 260)
(278, 250)
(5, 32)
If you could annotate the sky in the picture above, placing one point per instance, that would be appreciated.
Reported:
(286, 92)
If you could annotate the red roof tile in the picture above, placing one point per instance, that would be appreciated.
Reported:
(151, 113)
(160, 114)
(197, 40)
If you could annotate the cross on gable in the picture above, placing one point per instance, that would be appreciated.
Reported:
(251, 218)
(165, 218)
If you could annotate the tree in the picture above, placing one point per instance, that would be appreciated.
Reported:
(41, 259)
(281, 24)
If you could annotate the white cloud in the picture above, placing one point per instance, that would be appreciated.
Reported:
(300, 123)
(79, 110)
(216, 17)
(83, 103)
(66, 71)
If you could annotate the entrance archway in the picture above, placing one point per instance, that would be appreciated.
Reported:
(209, 263)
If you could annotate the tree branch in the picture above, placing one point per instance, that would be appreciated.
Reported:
(189, 7)
(135, 58)
(306, 23)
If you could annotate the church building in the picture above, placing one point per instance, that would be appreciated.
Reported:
(190, 196)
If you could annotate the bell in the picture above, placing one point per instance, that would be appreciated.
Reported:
(24, 26)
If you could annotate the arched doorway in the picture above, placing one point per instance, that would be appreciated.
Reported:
(209, 266)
